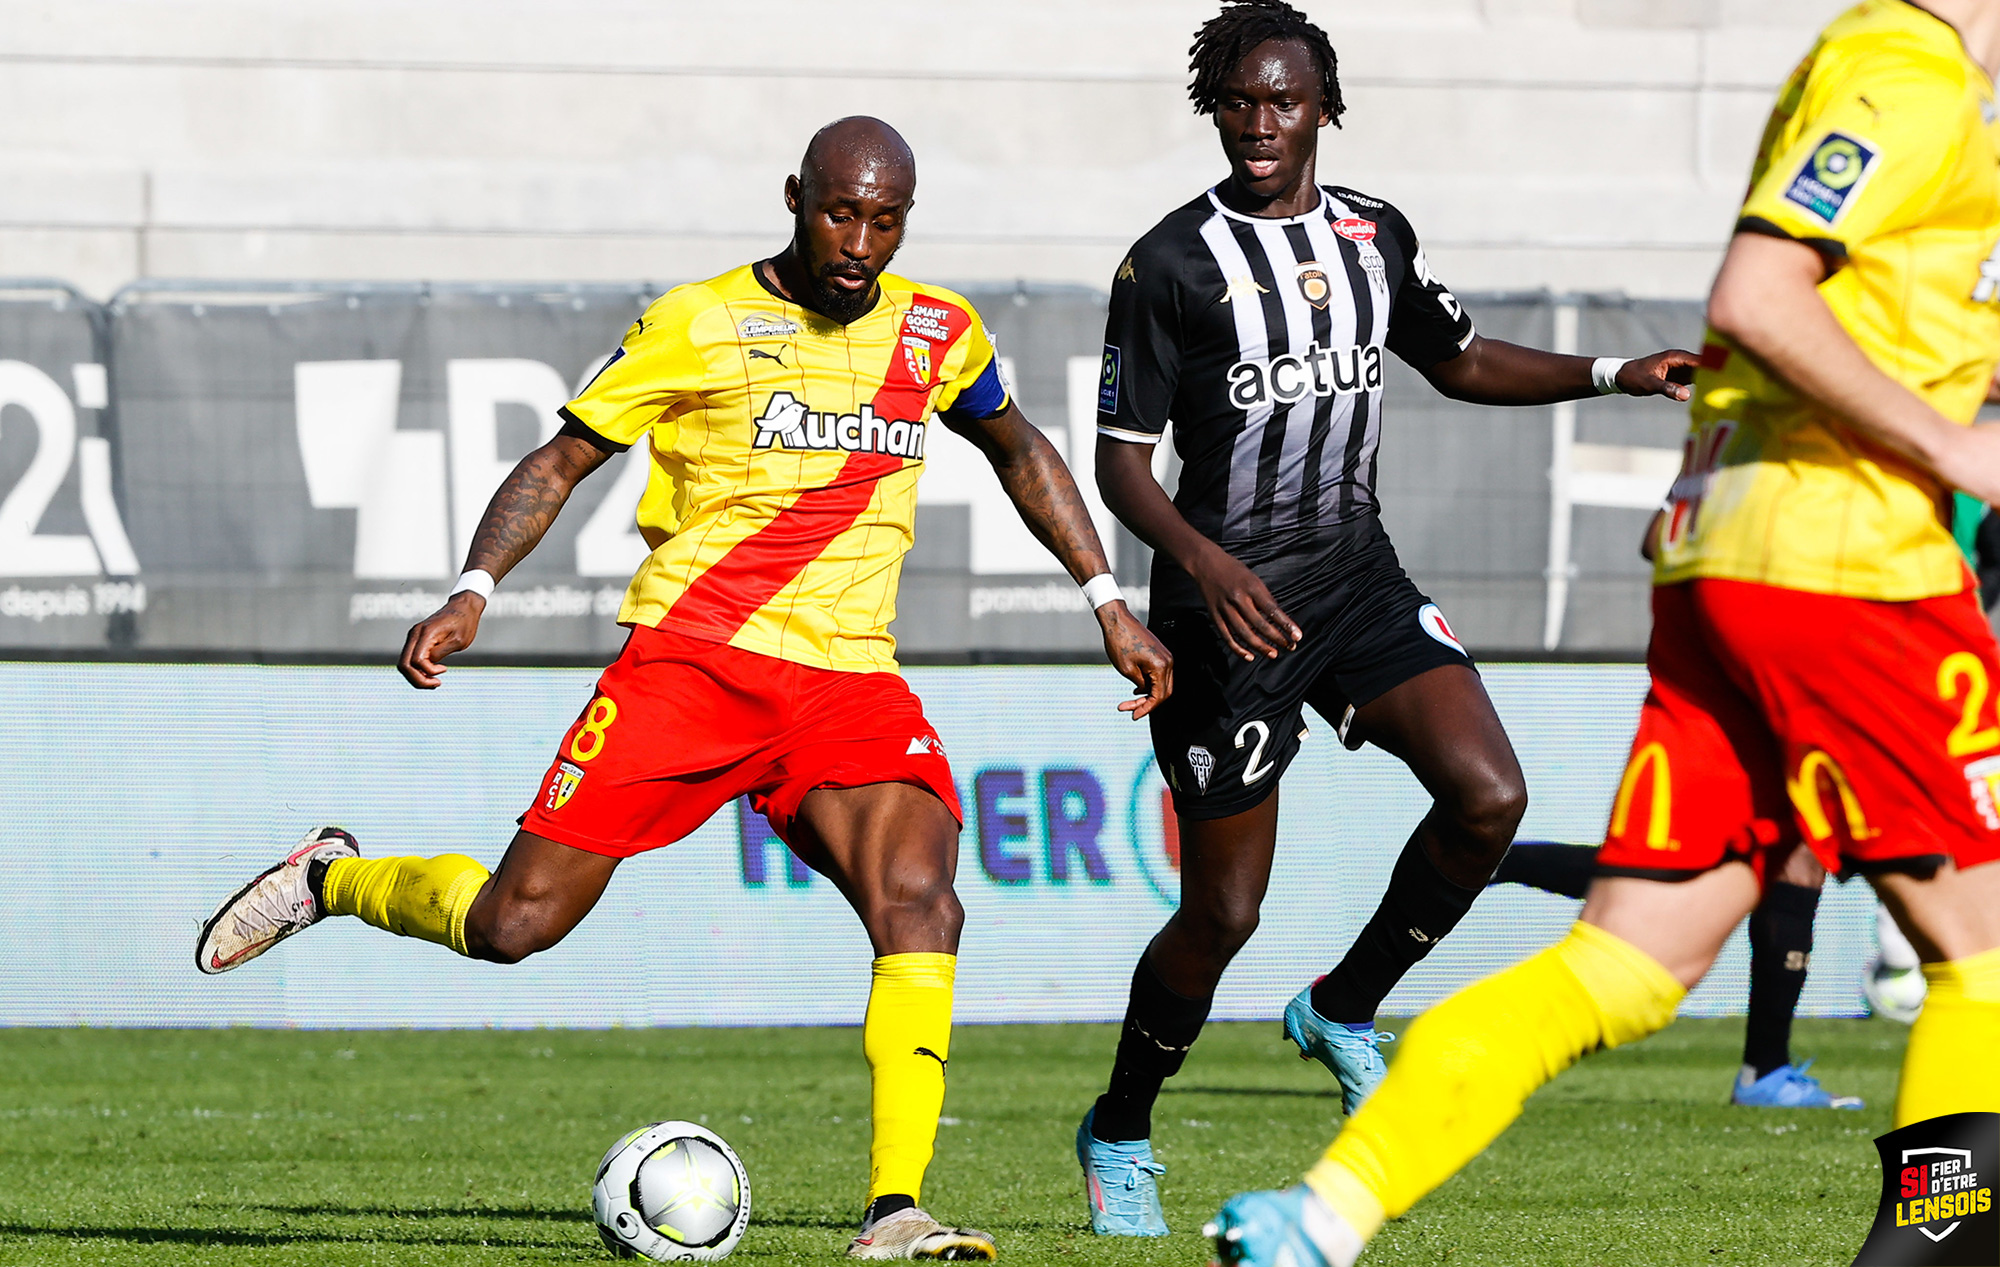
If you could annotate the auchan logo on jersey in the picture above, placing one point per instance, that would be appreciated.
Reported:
(787, 424)
(1317, 371)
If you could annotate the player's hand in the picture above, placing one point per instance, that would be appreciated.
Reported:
(1667, 373)
(449, 629)
(1136, 653)
(1241, 606)
(1971, 460)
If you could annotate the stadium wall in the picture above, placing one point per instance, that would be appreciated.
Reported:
(1587, 145)
(287, 469)
(140, 795)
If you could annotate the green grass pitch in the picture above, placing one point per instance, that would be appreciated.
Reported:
(248, 1147)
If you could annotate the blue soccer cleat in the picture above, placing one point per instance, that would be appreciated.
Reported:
(1786, 1087)
(1119, 1183)
(1349, 1051)
(1293, 1228)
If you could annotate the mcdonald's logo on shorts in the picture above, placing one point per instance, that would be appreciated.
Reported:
(1808, 798)
(1660, 799)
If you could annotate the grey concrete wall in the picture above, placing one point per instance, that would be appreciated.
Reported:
(1595, 145)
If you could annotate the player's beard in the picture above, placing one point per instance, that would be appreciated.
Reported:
(827, 299)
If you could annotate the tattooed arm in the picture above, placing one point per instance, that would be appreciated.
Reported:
(1041, 488)
(521, 511)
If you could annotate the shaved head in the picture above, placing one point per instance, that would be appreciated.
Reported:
(861, 152)
(848, 204)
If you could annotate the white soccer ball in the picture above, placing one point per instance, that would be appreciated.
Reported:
(672, 1191)
(1897, 993)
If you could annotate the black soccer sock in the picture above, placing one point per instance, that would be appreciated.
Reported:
(1781, 933)
(1160, 1026)
(885, 1205)
(1564, 870)
(1420, 907)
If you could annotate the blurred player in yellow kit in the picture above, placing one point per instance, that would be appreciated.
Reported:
(1822, 674)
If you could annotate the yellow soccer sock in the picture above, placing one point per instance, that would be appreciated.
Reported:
(411, 897)
(1948, 1066)
(907, 1039)
(1463, 1072)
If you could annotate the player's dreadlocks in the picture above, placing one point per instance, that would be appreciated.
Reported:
(1225, 38)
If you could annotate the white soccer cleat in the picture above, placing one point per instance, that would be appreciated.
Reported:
(913, 1234)
(271, 907)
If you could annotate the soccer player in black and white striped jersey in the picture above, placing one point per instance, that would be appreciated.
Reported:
(1257, 318)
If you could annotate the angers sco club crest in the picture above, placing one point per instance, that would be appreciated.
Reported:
(1313, 284)
(1937, 1207)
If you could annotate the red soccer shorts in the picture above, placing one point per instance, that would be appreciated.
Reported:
(1866, 728)
(680, 727)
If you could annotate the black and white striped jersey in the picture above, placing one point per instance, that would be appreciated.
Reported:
(1262, 340)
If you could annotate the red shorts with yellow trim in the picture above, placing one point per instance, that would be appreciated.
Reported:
(681, 726)
(1867, 729)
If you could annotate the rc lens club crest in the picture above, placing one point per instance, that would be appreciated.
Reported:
(563, 784)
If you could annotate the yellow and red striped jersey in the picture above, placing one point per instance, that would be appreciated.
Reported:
(1883, 152)
(785, 453)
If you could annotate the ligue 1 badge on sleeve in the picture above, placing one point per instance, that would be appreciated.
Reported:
(1937, 1206)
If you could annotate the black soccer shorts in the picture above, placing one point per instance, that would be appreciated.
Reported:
(1226, 735)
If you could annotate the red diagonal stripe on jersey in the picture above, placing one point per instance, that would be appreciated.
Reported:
(735, 586)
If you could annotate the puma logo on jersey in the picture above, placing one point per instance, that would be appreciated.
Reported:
(1317, 371)
(759, 354)
(787, 424)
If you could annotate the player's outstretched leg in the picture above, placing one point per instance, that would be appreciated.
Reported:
(1442, 725)
(1564, 870)
(1469, 1065)
(541, 891)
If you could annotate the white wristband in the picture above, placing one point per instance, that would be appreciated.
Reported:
(1102, 589)
(1604, 374)
(478, 580)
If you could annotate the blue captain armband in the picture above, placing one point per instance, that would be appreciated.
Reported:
(986, 398)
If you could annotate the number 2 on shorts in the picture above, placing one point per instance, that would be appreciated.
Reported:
(1255, 768)
(1968, 736)
(590, 738)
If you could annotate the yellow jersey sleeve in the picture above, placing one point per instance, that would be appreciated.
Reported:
(1873, 142)
(971, 387)
(657, 367)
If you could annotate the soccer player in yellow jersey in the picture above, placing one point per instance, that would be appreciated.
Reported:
(1822, 675)
(787, 405)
